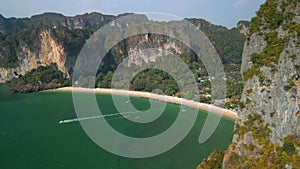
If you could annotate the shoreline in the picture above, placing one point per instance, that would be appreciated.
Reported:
(162, 98)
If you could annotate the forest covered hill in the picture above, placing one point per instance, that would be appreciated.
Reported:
(54, 41)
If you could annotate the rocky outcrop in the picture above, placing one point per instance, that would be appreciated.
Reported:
(54, 38)
(8, 73)
(27, 43)
(243, 26)
(48, 51)
(269, 118)
(163, 44)
(51, 44)
(267, 133)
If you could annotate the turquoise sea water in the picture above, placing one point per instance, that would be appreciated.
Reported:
(32, 138)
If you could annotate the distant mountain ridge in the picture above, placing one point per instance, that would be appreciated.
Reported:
(27, 43)
(85, 21)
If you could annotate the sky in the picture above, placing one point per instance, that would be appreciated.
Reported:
(220, 12)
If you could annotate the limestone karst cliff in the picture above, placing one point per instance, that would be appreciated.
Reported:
(267, 133)
(48, 51)
(27, 43)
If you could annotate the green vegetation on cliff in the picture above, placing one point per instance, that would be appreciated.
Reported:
(268, 155)
(267, 135)
(268, 57)
(38, 79)
(214, 161)
(19, 35)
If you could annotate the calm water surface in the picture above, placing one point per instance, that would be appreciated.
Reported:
(32, 138)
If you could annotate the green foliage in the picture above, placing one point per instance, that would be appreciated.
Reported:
(228, 43)
(272, 114)
(249, 91)
(292, 28)
(254, 70)
(86, 82)
(265, 153)
(289, 86)
(170, 90)
(289, 147)
(293, 57)
(234, 87)
(271, 18)
(39, 79)
(26, 33)
(104, 80)
(256, 23)
(248, 101)
(252, 118)
(214, 161)
(262, 153)
(268, 17)
(152, 79)
(268, 58)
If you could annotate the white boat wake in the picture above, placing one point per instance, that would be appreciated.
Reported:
(95, 117)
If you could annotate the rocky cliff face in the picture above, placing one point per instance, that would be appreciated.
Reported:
(48, 51)
(26, 43)
(161, 43)
(268, 131)
(267, 134)
(49, 46)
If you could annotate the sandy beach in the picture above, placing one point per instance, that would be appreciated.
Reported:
(162, 98)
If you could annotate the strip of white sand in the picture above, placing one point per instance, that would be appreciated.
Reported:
(163, 98)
